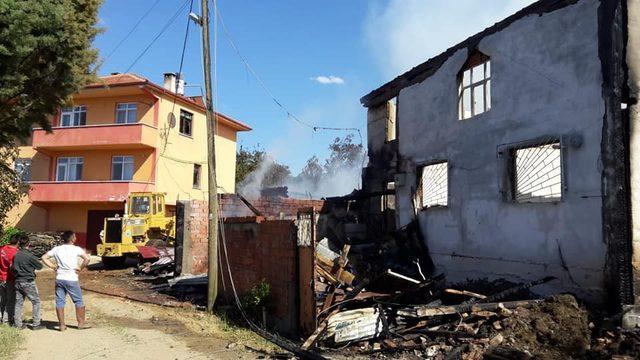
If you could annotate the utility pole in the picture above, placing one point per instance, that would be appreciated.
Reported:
(212, 290)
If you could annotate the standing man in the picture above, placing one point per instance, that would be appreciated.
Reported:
(66, 258)
(7, 288)
(25, 265)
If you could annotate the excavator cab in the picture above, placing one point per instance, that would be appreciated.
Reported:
(145, 223)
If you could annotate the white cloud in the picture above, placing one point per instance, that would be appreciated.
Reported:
(328, 80)
(404, 33)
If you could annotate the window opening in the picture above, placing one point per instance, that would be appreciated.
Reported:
(186, 122)
(126, 113)
(538, 173)
(122, 168)
(69, 169)
(73, 116)
(434, 184)
(474, 86)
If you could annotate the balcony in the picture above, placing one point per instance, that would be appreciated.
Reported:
(108, 136)
(85, 191)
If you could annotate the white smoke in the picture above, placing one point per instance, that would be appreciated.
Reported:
(337, 182)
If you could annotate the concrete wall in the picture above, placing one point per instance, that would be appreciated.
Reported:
(546, 80)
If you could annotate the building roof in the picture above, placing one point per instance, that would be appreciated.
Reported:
(421, 72)
(129, 79)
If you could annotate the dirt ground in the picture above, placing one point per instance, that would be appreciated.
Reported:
(129, 329)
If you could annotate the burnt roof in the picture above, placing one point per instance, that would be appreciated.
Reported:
(426, 69)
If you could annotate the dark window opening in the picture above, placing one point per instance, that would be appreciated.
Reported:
(197, 169)
(186, 123)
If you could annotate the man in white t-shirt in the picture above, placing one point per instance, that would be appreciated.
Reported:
(66, 266)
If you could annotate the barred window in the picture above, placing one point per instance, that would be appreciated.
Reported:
(538, 173)
(434, 185)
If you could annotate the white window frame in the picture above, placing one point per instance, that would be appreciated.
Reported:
(73, 116)
(65, 163)
(130, 111)
(432, 183)
(20, 166)
(475, 81)
(123, 160)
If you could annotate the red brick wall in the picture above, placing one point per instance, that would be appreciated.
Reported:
(264, 250)
(270, 207)
(258, 248)
(197, 227)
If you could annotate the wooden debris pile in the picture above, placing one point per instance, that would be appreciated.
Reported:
(437, 322)
(42, 242)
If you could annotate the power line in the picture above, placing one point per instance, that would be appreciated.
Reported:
(135, 26)
(164, 28)
(262, 84)
(256, 76)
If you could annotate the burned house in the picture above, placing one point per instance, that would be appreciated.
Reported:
(516, 150)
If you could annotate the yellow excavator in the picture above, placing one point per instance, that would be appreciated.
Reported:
(145, 223)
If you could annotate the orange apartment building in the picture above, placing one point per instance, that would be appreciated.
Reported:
(119, 136)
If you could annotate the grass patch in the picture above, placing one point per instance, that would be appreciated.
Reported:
(10, 339)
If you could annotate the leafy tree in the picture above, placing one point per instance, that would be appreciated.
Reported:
(45, 57)
(344, 154)
(276, 175)
(312, 171)
(247, 161)
(11, 187)
(251, 161)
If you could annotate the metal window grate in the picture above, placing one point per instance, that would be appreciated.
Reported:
(435, 190)
(538, 173)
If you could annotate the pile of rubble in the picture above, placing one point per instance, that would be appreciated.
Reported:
(395, 308)
(460, 324)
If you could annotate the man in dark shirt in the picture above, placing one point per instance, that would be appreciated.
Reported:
(25, 265)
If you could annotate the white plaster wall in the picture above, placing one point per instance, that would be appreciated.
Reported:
(546, 80)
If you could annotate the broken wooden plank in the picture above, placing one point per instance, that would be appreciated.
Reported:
(403, 277)
(311, 340)
(427, 311)
(465, 293)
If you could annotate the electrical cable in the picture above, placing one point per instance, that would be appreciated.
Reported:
(135, 26)
(162, 31)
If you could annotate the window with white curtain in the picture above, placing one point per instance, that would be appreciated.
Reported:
(73, 116)
(69, 169)
(122, 168)
(126, 113)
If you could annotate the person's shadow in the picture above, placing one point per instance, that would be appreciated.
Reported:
(53, 325)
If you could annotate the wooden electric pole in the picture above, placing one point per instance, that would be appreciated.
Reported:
(212, 290)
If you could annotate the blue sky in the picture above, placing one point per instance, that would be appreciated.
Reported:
(291, 43)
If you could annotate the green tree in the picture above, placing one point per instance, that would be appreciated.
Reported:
(46, 55)
(276, 175)
(312, 171)
(11, 187)
(256, 162)
(344, 155)
(247, 161)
